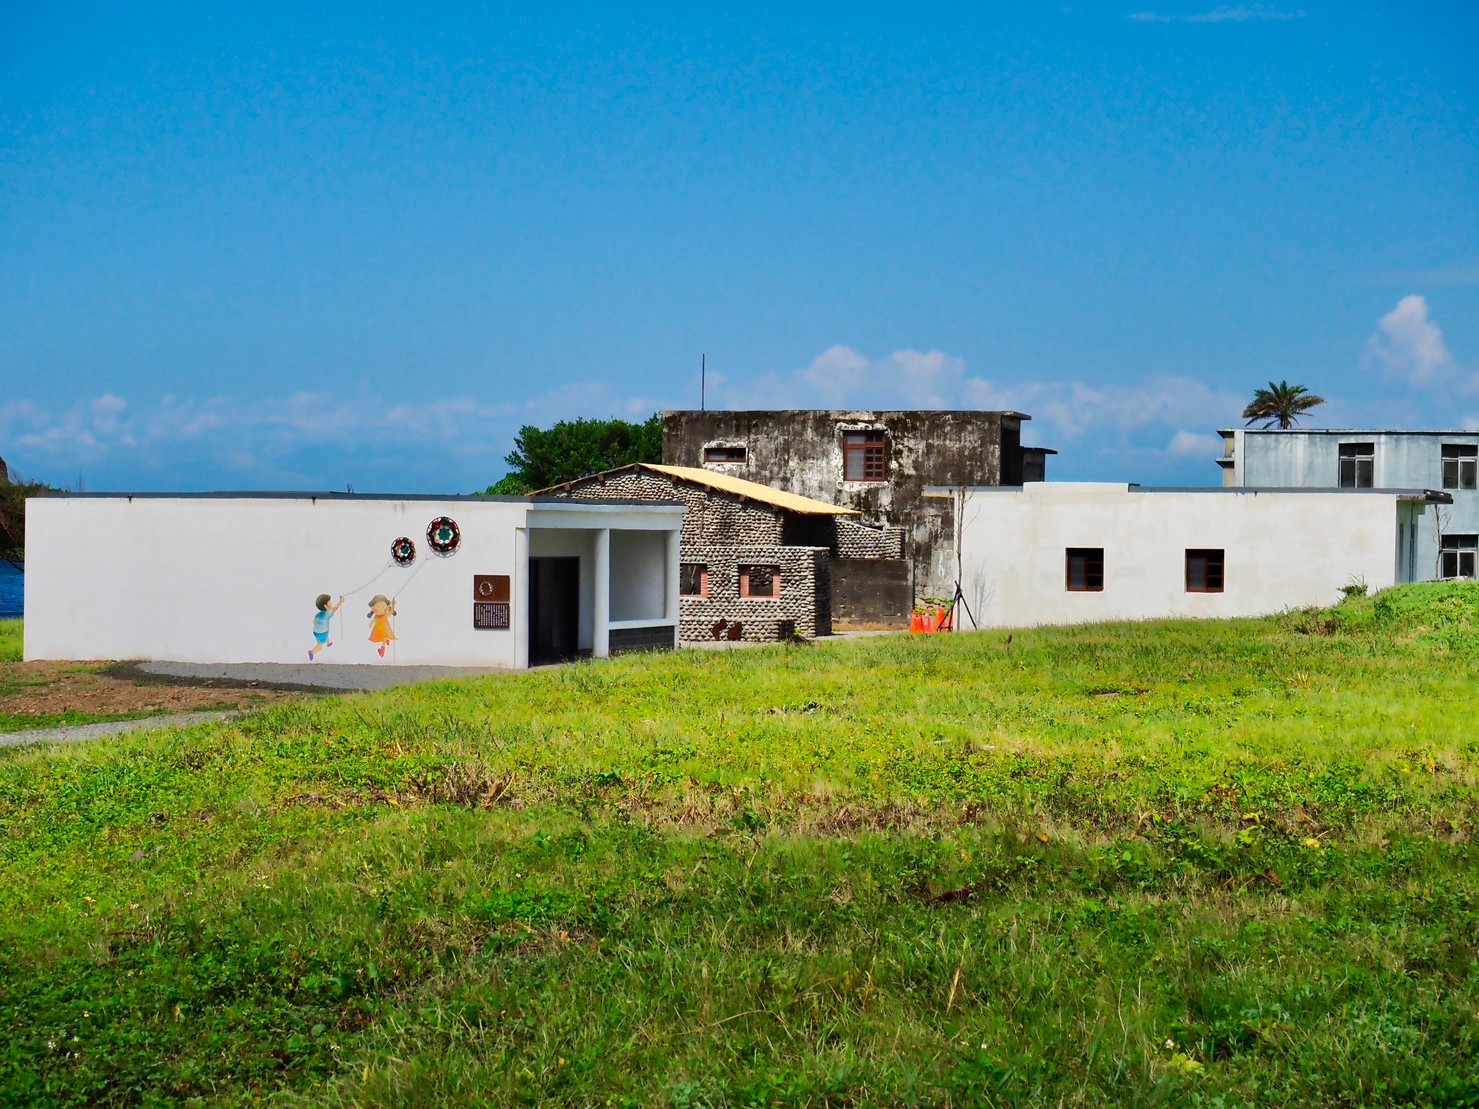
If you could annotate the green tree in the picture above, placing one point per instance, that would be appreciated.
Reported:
(574, 448)
(13, 494)
(1280, 404)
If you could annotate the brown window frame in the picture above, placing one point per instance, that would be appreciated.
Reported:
(1093, 569)
(727, 456)
(744, 582)
(703, 578)
(1212, 557)
(871, 447)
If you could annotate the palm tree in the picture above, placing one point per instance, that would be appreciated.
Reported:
(1280, 404)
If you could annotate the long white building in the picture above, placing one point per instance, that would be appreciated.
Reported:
(464, 581)
(1073, 553)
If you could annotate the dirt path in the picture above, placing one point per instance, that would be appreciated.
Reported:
(77, 733)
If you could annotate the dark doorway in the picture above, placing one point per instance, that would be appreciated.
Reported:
(554, 609)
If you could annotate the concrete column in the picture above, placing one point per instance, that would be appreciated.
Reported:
(601, 632)
(675, 558)
(519, 598)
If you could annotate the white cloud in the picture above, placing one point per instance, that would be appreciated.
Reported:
(840, 377)
(290, 440)
(1191, 444)
(1153, 410)
(1407, 344)
(1228, 13)
(1073, 409)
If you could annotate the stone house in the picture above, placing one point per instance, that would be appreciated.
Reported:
(882, 464)
(757, 563)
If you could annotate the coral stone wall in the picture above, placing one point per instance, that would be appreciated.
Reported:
(860, 541)
(804, 606)
(712, 516)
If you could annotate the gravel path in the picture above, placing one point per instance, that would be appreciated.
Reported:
(312, 675)
(76, 733)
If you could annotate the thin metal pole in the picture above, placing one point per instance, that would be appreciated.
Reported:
(703, 381)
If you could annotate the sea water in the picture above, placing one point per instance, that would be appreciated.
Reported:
(11, 581)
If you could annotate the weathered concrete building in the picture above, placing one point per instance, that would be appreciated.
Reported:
(879, 463)
(762, 564)
(1445, 543)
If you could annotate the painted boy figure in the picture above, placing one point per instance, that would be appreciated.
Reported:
(321, 622)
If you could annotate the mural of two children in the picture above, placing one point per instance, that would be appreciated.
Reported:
(382, 608)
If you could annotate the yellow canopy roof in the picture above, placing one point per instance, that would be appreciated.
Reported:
(791, 502)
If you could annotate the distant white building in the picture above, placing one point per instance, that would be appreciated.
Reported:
(460, 581)
(1074, 553)
(1317, 458)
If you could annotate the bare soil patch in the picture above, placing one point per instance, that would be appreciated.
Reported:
(51, 688)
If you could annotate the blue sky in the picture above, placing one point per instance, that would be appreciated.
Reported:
(309, 246)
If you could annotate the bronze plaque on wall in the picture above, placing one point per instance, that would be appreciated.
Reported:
(490, 587)
(490, 614)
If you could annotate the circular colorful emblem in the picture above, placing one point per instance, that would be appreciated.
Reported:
(403, 551)
(444, 535)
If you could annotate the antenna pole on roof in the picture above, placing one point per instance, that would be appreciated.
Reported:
(703, 380)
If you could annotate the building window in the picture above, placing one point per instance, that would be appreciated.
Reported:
(1460, 466)
(1086, 569)
(1204, 571)
(760, 582)
(1457, 556)
(865, 456)
(693, 579)
(725, 454)
(1357, 465)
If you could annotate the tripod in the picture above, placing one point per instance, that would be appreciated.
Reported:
(959, 599)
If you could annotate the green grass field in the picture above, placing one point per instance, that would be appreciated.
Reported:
(1212, 864)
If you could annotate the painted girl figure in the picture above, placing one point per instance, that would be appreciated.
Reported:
(322, 620)
(381, 610)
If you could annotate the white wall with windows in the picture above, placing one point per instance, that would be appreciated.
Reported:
(1071, 553)
(1316, 458)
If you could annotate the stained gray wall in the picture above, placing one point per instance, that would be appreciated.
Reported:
(801, 451)
(871, 592)
(1309, 458)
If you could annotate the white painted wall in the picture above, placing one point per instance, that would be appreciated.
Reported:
(1282, 550)
(233, 579)
(639, 576)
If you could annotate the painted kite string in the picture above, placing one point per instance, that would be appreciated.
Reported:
(397, 597)
(371, 582)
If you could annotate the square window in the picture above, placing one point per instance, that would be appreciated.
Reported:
(865, 456)
(693, 579)
(760, 582)
(1457, 557)
(1204, 570)
(1460, 466)
(725, 454)
(1085, 571)
(1357, 465)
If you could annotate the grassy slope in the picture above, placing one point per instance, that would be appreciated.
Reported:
(1218, 863)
